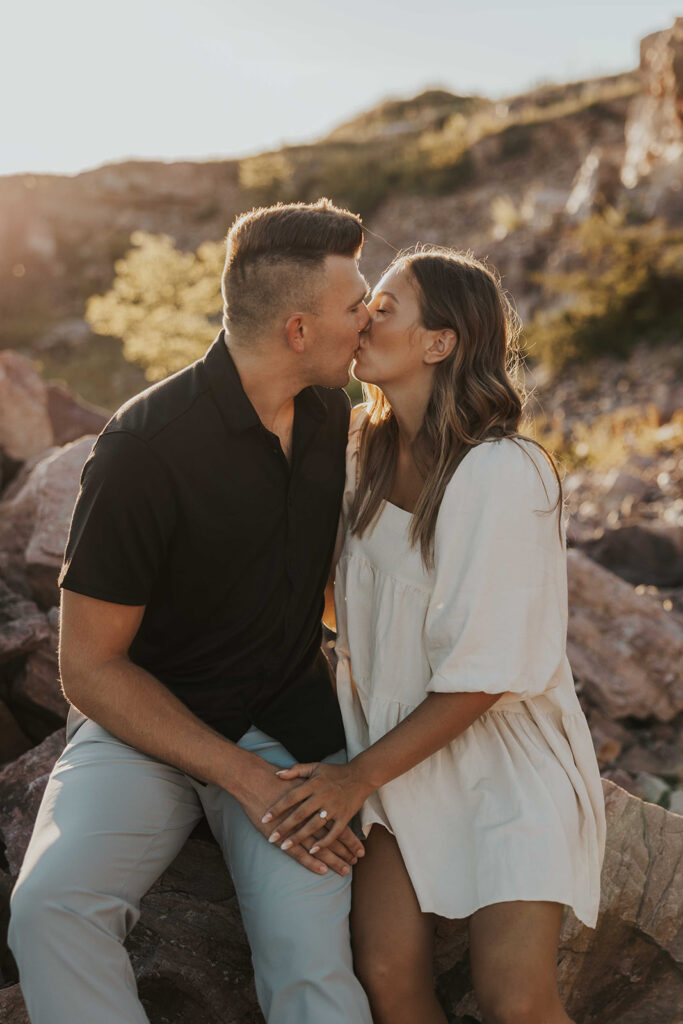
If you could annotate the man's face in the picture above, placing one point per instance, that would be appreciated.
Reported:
(341, 316)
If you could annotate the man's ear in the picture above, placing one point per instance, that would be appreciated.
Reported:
(294, 332)
(442, 344)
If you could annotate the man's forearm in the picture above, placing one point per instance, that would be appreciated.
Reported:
(134, 706)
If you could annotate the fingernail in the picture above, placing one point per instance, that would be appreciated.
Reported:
(355, 860)
(314, 849)
(274, 838)
(266, 818)
(286, 845)
(345, 870)
(282, 771)
(323, 869)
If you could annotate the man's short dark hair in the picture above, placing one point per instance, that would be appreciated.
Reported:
(275, 261)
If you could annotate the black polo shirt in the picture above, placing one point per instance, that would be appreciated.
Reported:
(188, 505)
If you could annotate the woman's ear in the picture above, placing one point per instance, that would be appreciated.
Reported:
(442, 344)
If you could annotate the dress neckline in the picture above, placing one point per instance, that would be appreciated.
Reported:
(403, 511)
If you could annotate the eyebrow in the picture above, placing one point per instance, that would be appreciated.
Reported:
(391, 296)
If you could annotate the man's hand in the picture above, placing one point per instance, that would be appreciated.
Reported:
(339, 854)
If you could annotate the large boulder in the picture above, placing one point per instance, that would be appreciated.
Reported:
(35, 520)
(25, 427)
(626, 652)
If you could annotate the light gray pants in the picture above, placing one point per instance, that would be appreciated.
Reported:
(111, 820)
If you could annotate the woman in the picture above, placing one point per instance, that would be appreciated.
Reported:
(470, 758)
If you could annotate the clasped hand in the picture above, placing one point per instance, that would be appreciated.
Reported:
(334, 788)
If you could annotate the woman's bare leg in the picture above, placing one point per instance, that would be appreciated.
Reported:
(392, 939)
(513, 952)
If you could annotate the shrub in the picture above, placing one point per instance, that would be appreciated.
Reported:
(164, 304)
(626, 287)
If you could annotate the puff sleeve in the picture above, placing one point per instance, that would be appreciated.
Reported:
(497, 617)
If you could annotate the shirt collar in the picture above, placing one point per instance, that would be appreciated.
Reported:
(233, 404)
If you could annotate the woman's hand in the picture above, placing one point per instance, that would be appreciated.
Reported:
(334, 788)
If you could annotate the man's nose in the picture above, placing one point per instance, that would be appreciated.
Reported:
(366, 319)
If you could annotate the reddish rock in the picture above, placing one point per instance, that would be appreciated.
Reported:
(36, 519)
(38, 685)
(23, 627)
(25, 427)
(72, 417)
(625, 651)
(22, 783)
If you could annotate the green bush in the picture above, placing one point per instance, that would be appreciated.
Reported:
(626, 287)
(164, 304)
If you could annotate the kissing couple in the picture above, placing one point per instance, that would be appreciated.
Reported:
(222, 514)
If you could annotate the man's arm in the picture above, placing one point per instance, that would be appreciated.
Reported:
(100, 680)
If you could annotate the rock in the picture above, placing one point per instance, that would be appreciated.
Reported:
(25, 427)
(654, 126)
(652, 787)
(9, 468)
(625, 651)
(71, 334)
(23, 627)
(676, 802)
(641, 554)
(609, 737)
(36, 519)
(619, 485)
(22, 783)
(12, 1006)
(38, 685)
(628, 968)
(72, 417)
(624, 780)
(596, 184)
(13, 742)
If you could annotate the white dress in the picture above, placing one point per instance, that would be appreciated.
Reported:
(513, 808)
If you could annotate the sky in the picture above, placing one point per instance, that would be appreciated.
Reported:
(84, 83)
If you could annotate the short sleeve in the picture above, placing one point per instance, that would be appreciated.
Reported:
(497, 617)
(121, 524)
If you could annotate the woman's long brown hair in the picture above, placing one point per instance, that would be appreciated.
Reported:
(474, 398)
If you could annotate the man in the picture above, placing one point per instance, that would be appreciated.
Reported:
(190, 642)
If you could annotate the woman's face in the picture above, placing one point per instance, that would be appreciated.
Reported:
(392, 347)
